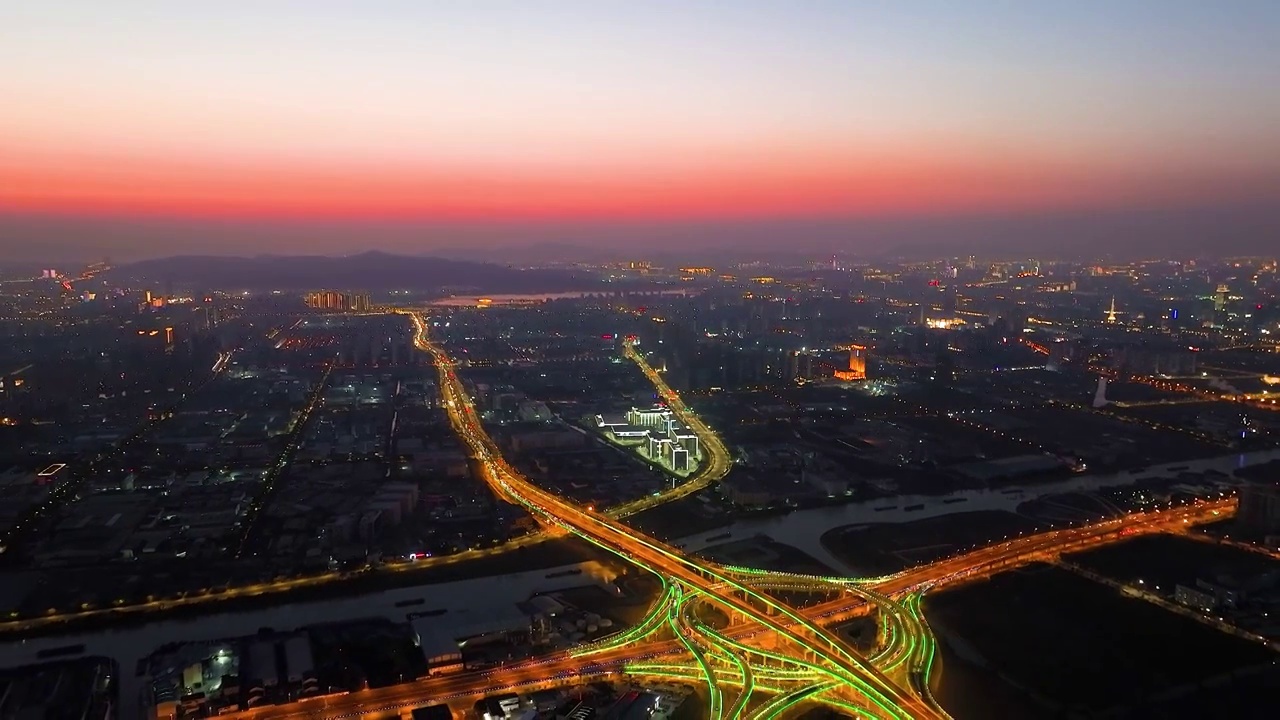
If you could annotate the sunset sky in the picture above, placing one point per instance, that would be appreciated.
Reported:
(145, 128)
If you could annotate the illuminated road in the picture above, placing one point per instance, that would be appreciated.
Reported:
(714, 469)
(767, 647)
(858, 681)
(645, 651)
(717, 462)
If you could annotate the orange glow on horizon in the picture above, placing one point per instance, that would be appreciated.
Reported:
(720, 187)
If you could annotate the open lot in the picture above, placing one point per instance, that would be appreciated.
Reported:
(1246, 696)
(972, 692)
(548, 554)
(1077, 646)
(1166, 560)
(681, 518)
(962, 436)
(1101, 441)
(640, 591)
(887, 548)
(763, 553)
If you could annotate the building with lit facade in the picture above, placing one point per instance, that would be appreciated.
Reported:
(656, 416)
(857, 364)
(339, 301)
(657, 435)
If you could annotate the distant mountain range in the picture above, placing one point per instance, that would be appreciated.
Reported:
(537, 253)
(372, 271)
(1189, 231)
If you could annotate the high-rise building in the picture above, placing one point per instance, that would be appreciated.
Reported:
(334, 300)
(950, 301)
(1220, 298)
(1259, 511)
(857, 364)
(319, 300)
(799, 365)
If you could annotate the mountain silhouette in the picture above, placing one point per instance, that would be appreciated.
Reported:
(373, 270)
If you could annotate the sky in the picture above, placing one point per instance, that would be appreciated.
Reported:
(133, 129)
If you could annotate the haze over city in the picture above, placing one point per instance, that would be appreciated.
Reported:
(647, 360)
(136, 129)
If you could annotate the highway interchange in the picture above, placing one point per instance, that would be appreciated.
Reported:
(771, 657)
(800, 643)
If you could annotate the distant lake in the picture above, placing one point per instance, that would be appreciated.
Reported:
(525, 299)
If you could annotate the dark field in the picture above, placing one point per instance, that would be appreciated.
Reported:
(681, 518)
(548, 554)
(1165, 560)
(763, 553)
(887, 548)
(1071, 645)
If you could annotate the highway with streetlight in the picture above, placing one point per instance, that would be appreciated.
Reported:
(648, 651)
(858, 681)
(771, 656)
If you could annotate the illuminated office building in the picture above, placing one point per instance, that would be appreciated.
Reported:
(857, 364)
(334, 300)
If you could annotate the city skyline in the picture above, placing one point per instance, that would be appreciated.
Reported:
(663, 360)
(331, 128)
(381, 484)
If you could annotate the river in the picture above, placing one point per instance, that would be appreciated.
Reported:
(126, 646)
(804, 529)
(530, 298)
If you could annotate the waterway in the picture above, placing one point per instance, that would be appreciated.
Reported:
(465, 600)
(804, 529)
(529, 298)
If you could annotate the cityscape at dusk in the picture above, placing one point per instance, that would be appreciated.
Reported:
(231, 125)
(579, 360)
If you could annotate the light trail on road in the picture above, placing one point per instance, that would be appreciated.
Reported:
(801, 663)
(651, 653)
(864, 684)
(719, 461)
(705, 476)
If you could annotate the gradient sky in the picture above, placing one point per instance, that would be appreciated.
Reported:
(241, 126)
